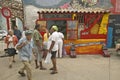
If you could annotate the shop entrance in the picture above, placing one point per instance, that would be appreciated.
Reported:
(62, 25)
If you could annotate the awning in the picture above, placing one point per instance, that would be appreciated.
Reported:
(82, 10)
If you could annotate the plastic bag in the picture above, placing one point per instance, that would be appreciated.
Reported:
(48, 58)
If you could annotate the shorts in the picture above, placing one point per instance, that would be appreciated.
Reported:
(45, 45)
(38, 54)
(53, 54)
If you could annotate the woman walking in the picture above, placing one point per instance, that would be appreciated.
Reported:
(11, 41)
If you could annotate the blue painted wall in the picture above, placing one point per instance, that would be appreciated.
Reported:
(110, 37)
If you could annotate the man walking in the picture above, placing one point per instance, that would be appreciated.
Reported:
(25, 51)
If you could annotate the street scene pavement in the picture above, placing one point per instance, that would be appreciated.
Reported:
(84, 67)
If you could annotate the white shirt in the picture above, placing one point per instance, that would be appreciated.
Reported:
(11, 44)
(53, 37)
(61, 36)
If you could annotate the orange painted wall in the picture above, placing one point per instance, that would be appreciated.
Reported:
(88, 49)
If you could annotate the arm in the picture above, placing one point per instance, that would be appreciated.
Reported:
(51, 46)
(53, 41)
(16, 40)
(38, 44)
(19, 46)
(6, 40)
(37, 38)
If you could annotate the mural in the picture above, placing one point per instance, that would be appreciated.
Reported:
(46, 3)
(35, 5)
(58, 3)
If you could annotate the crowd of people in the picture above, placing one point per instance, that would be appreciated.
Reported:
(32, 42)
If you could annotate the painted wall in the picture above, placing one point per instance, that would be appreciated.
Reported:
(116, 6)
(46, 3)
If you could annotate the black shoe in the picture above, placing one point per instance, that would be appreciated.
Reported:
(42, 68)
(13, 61)
(54, 72)
(21, 73)
(51, 69)
(10, 66)
(36, 67)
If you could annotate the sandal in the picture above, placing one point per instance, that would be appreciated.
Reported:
(42, 68)
(10, 66)
(13, 61)
(54, 72)
(36, 67)
(51, 68)
(21, 73)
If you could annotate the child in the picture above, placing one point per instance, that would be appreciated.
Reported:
(24, 47)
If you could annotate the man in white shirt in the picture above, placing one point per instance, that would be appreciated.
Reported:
(53, 47)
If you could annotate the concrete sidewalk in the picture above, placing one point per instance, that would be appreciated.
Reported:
(84, 67)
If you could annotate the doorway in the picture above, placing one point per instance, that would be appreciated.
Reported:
(62, 25)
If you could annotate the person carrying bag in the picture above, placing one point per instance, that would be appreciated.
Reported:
(11, 41)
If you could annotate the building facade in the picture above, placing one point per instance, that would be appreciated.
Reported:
(17, 13)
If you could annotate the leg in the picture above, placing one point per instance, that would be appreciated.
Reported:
(58, 52)
(35, 52)
(10, 62)
(53, 58)
(28, 70)
(36, 63)
(60, 45)
(21, 71)
(54, 64)
(40, 61)
(36, 60)
(60, 49)
(13, 58)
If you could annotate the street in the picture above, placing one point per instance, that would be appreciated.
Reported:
(84, 67)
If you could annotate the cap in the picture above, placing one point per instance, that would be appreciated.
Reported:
(55, 28)
(28, 32)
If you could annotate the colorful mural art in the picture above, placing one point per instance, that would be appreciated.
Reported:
(65, 3)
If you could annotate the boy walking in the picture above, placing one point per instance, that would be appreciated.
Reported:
(25, 52)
